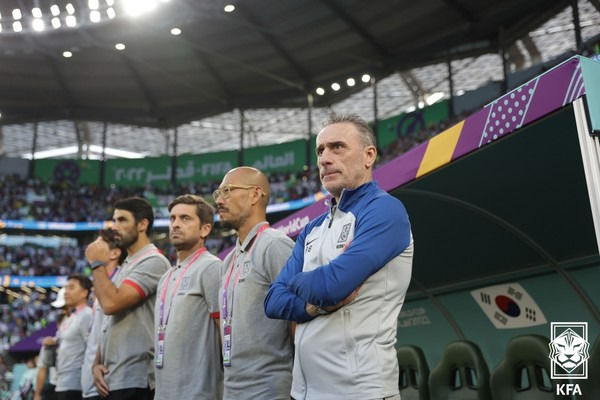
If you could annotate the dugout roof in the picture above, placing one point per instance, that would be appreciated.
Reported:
(264, 54)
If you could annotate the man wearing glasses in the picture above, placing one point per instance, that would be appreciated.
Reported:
(257, 351)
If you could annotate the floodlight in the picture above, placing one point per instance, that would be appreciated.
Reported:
(320, 91)
(38, 25)
(335, 86)
(135, 8)
(434, 97)
(71, 21)
(95, 16)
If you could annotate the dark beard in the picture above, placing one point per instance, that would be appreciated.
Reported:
(127, 241)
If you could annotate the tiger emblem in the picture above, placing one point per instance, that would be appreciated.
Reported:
(569, 350)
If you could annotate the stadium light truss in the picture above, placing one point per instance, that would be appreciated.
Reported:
(56, 15)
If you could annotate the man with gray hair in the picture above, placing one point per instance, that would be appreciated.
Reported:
(347, 278)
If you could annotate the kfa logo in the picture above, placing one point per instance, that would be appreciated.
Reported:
(185, 283)
(245, 270)
(345, 232)
(341, 242)
(569, 353)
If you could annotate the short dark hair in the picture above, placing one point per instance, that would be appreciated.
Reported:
(204, 211)
(84, 281)
(140, 208)
(361, 125)
(108, 235)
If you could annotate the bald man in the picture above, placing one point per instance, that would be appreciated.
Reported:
(257, 351)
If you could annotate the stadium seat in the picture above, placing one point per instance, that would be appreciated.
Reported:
(414, 373)
(590, 387)
(461, 374)
(524, 374)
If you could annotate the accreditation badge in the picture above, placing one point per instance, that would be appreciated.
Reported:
(160, 348)
(227, 346)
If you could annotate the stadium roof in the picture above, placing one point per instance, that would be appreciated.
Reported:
(265, 56)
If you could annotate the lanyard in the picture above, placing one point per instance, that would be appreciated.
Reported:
(224, 314)
(164, 291)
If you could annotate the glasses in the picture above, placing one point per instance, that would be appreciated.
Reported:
(225, 191)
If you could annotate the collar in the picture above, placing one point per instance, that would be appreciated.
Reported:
(350, 197)
(188, 258)
(242, 247)
(134, 258)
(78, 308)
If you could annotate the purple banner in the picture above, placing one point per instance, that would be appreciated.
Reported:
(34, 342)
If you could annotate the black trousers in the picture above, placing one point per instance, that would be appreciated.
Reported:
(131, 394)
(69, 395)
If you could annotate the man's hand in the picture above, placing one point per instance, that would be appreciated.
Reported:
(49, 341)
(37, 396)
(312, 311)
(342, 303)
(98, 250)
(98, 372)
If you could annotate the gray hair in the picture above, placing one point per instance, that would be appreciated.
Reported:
(361, 125)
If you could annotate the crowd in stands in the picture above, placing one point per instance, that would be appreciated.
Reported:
(32, 260)
(23, 312)
(404, 143)
(33, 199)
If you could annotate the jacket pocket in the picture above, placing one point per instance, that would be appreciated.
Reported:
(349, 341)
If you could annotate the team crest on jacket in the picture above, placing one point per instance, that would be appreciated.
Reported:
(245, 270)
(185, 282)
(345, 232)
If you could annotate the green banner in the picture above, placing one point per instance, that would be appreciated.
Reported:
(60, 170)
(205, 167)
(409, 124)
(284, 157)
(313, 153)
(155, 171)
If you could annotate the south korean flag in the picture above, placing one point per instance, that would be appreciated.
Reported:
(509, 306)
